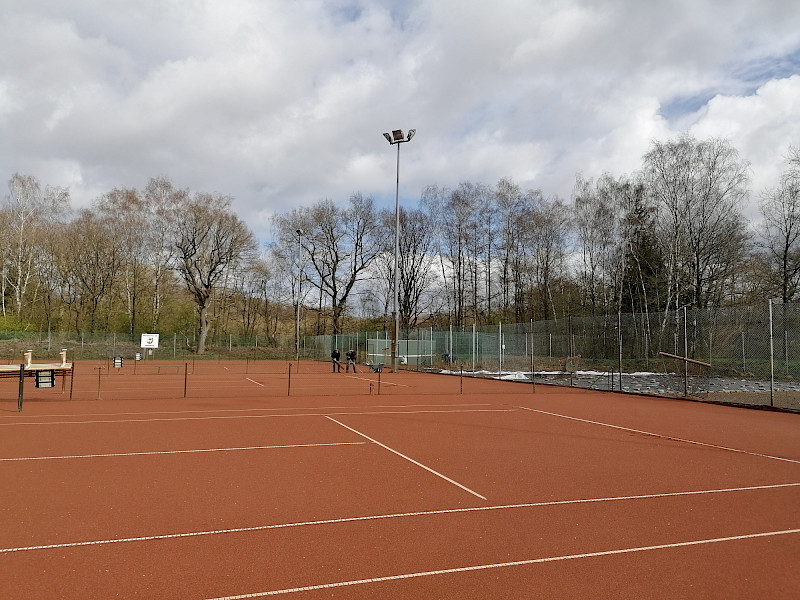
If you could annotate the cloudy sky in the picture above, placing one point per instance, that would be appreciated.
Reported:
(282, 103)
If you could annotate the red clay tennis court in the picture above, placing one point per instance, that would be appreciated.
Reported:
(436, 487)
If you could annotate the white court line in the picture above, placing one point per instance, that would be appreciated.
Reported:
(443, 511)
(385, 447)
(515, 563)
(253, 381)
(238, 410)
(195, 451)
(383, 382)
(210, 418)
(662, 436)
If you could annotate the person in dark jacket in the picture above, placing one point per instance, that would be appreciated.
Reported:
(335, 355)
(351, 360)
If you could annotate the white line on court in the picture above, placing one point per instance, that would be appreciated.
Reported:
(239, 410)
(411, 460)
(383, 382)
(444, 511)
(253, 381)
(515, 563)
(195, 451)
(662, 436)
(209, 418)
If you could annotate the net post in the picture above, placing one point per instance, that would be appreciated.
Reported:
(99, 375)
(21, 386)
(289, 386)
(185, 378)
(72, 378)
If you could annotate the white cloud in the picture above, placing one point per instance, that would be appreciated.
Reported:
(761, 126)
(283, 103)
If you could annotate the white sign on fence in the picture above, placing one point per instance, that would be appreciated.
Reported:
(149, 340)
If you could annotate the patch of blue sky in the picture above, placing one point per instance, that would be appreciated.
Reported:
(755, 73)
(681, 106)
(741, 80)
(346, 12)
(351, 11)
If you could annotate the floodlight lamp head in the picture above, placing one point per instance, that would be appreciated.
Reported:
(411, 133)
(388, 137)
(298, 231)
(397, 135)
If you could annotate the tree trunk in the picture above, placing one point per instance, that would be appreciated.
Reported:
(204, 326)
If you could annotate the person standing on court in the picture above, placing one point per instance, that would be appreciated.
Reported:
(351, 360)
(335, 355)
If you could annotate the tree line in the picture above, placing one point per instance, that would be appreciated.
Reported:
(168, 259)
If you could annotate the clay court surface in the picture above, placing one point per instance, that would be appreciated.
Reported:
(253, 486)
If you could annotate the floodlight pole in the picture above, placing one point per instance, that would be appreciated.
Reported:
(396, 138)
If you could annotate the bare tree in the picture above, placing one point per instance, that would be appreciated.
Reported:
(29, 212)
(210, 240)
(780, 208)
(545, 234)
(125, 208)
(509, 205)
(162, 201)
(455, 215)
(699, 187)
(339, 245)
(597, 210)
(95, 258)
(414, 264)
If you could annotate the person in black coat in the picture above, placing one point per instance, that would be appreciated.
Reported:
(335, 355)
(351, 360)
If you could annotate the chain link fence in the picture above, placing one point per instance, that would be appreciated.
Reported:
(746, 355)
(46, 346)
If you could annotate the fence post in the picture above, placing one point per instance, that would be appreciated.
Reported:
(771, 359)
(744, 357)
(450, 349)
(685, 354)
(473, 347)
(619, 328)
(500, 347)
(786, 347)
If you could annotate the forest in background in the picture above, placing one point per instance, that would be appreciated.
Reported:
(174, 261)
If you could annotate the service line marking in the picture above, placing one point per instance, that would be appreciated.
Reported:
(209, 418)
(238, 410)
(193, 451)
(662, 436)
(443, 511)
(411, 460)
(253, 381)
(383, 382)
(515, 563)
